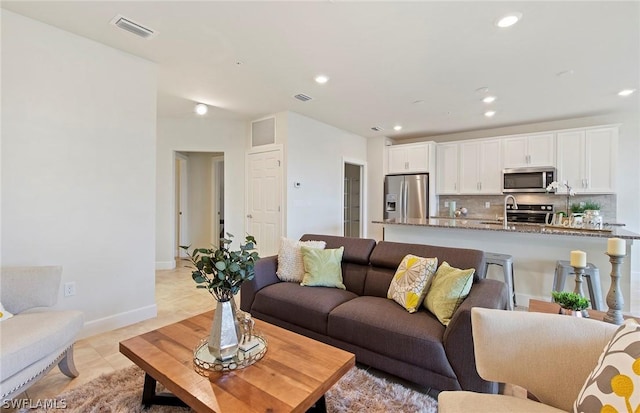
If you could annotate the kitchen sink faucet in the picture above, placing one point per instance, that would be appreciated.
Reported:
(505, 224)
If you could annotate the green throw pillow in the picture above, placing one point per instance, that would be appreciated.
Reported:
(450, 286)
(322, 268)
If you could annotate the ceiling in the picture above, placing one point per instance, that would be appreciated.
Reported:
(421, 65)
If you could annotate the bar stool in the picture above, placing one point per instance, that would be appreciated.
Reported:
(591, 274)
(506, 262)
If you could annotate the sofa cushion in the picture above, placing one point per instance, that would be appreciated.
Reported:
(356, 250)
(449, 288)
(29, 337)
(306, 307)
(389, 255)
(382, 326)
(409, 285)
(322, 268)
(290, 265)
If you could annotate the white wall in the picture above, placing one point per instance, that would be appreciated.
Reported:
(376, 156)
(198, 135)
(315, 154)
(78, 168)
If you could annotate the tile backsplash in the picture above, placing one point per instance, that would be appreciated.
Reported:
(475, 204)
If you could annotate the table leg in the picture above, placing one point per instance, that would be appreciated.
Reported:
(150, 397)
(319, 407)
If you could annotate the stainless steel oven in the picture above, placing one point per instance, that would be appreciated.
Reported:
(529, 213)
(521, 180)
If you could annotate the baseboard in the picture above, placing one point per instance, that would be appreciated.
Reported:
(112, 322)
(165, 265)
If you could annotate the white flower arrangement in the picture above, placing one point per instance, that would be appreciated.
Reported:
(553, 186)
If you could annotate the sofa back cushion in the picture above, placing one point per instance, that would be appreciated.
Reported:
(386, 257)
(355, 258)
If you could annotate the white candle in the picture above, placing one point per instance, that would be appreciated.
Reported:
(616, 246)
(578, 259)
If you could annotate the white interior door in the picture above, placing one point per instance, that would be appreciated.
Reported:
(264, 195)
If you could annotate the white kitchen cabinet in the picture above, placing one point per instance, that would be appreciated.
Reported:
(529, 151)
(480, 167)
(409, 158)
(447, 169)
(587, 159)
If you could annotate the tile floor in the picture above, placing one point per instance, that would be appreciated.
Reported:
(176, 297)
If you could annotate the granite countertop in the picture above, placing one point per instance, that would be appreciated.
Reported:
(493, 225)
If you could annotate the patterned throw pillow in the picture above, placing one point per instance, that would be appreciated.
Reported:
(614, 385)
(290, 265)
(4, 314)
(322, 268)
(409, 285)
(449, 288)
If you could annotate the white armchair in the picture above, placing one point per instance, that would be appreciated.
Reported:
(35, 339)
(549, 355)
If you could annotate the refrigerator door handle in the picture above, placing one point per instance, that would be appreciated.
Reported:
(405, 199)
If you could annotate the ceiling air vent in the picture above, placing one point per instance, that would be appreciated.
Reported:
(376, 128)
(302, 98)
(133, 27)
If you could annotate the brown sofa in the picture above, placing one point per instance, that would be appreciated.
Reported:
(380, 332)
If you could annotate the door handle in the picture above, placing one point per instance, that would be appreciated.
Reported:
(249, 216)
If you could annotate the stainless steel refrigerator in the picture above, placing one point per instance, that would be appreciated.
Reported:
(406, 196)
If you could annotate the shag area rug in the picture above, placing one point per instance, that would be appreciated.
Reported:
(357, 391)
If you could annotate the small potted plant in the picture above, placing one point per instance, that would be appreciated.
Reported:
(570, 303)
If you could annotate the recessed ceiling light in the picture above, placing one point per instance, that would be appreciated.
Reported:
(321, 79)
(201, 108)
(397, 128)
(567, 72)
(490, 113)
(626, 92)
(489, 99)
(509, 20)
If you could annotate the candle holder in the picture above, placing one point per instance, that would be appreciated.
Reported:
(579, 271)
(614, 296)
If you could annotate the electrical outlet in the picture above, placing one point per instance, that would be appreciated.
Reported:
(487, 204)
(69, 289)
(446, 204)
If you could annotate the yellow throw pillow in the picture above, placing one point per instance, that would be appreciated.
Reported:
(449, 288)
(4, 314)
(409, 285)
(322, 268)
(614, 384)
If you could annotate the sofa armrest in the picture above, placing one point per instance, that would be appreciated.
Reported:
(458, 338)
(265, 274)
(23, 288)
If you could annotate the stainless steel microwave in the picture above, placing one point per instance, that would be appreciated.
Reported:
(527, 179)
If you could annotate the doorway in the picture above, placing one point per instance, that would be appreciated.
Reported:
(199, 208)
(352, 189)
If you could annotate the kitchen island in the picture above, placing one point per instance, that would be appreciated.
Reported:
(535, 249)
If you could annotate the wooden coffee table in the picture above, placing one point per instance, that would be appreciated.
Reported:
(293, 376)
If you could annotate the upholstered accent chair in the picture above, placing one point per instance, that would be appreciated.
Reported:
(549, 355)
(36, 338)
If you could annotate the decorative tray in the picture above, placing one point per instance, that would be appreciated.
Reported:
(563, 228)
(205, 364)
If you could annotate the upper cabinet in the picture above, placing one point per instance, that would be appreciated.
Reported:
(480, 171)
(447, 172)
(409, 158)
(587, 159)
(529, 150)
